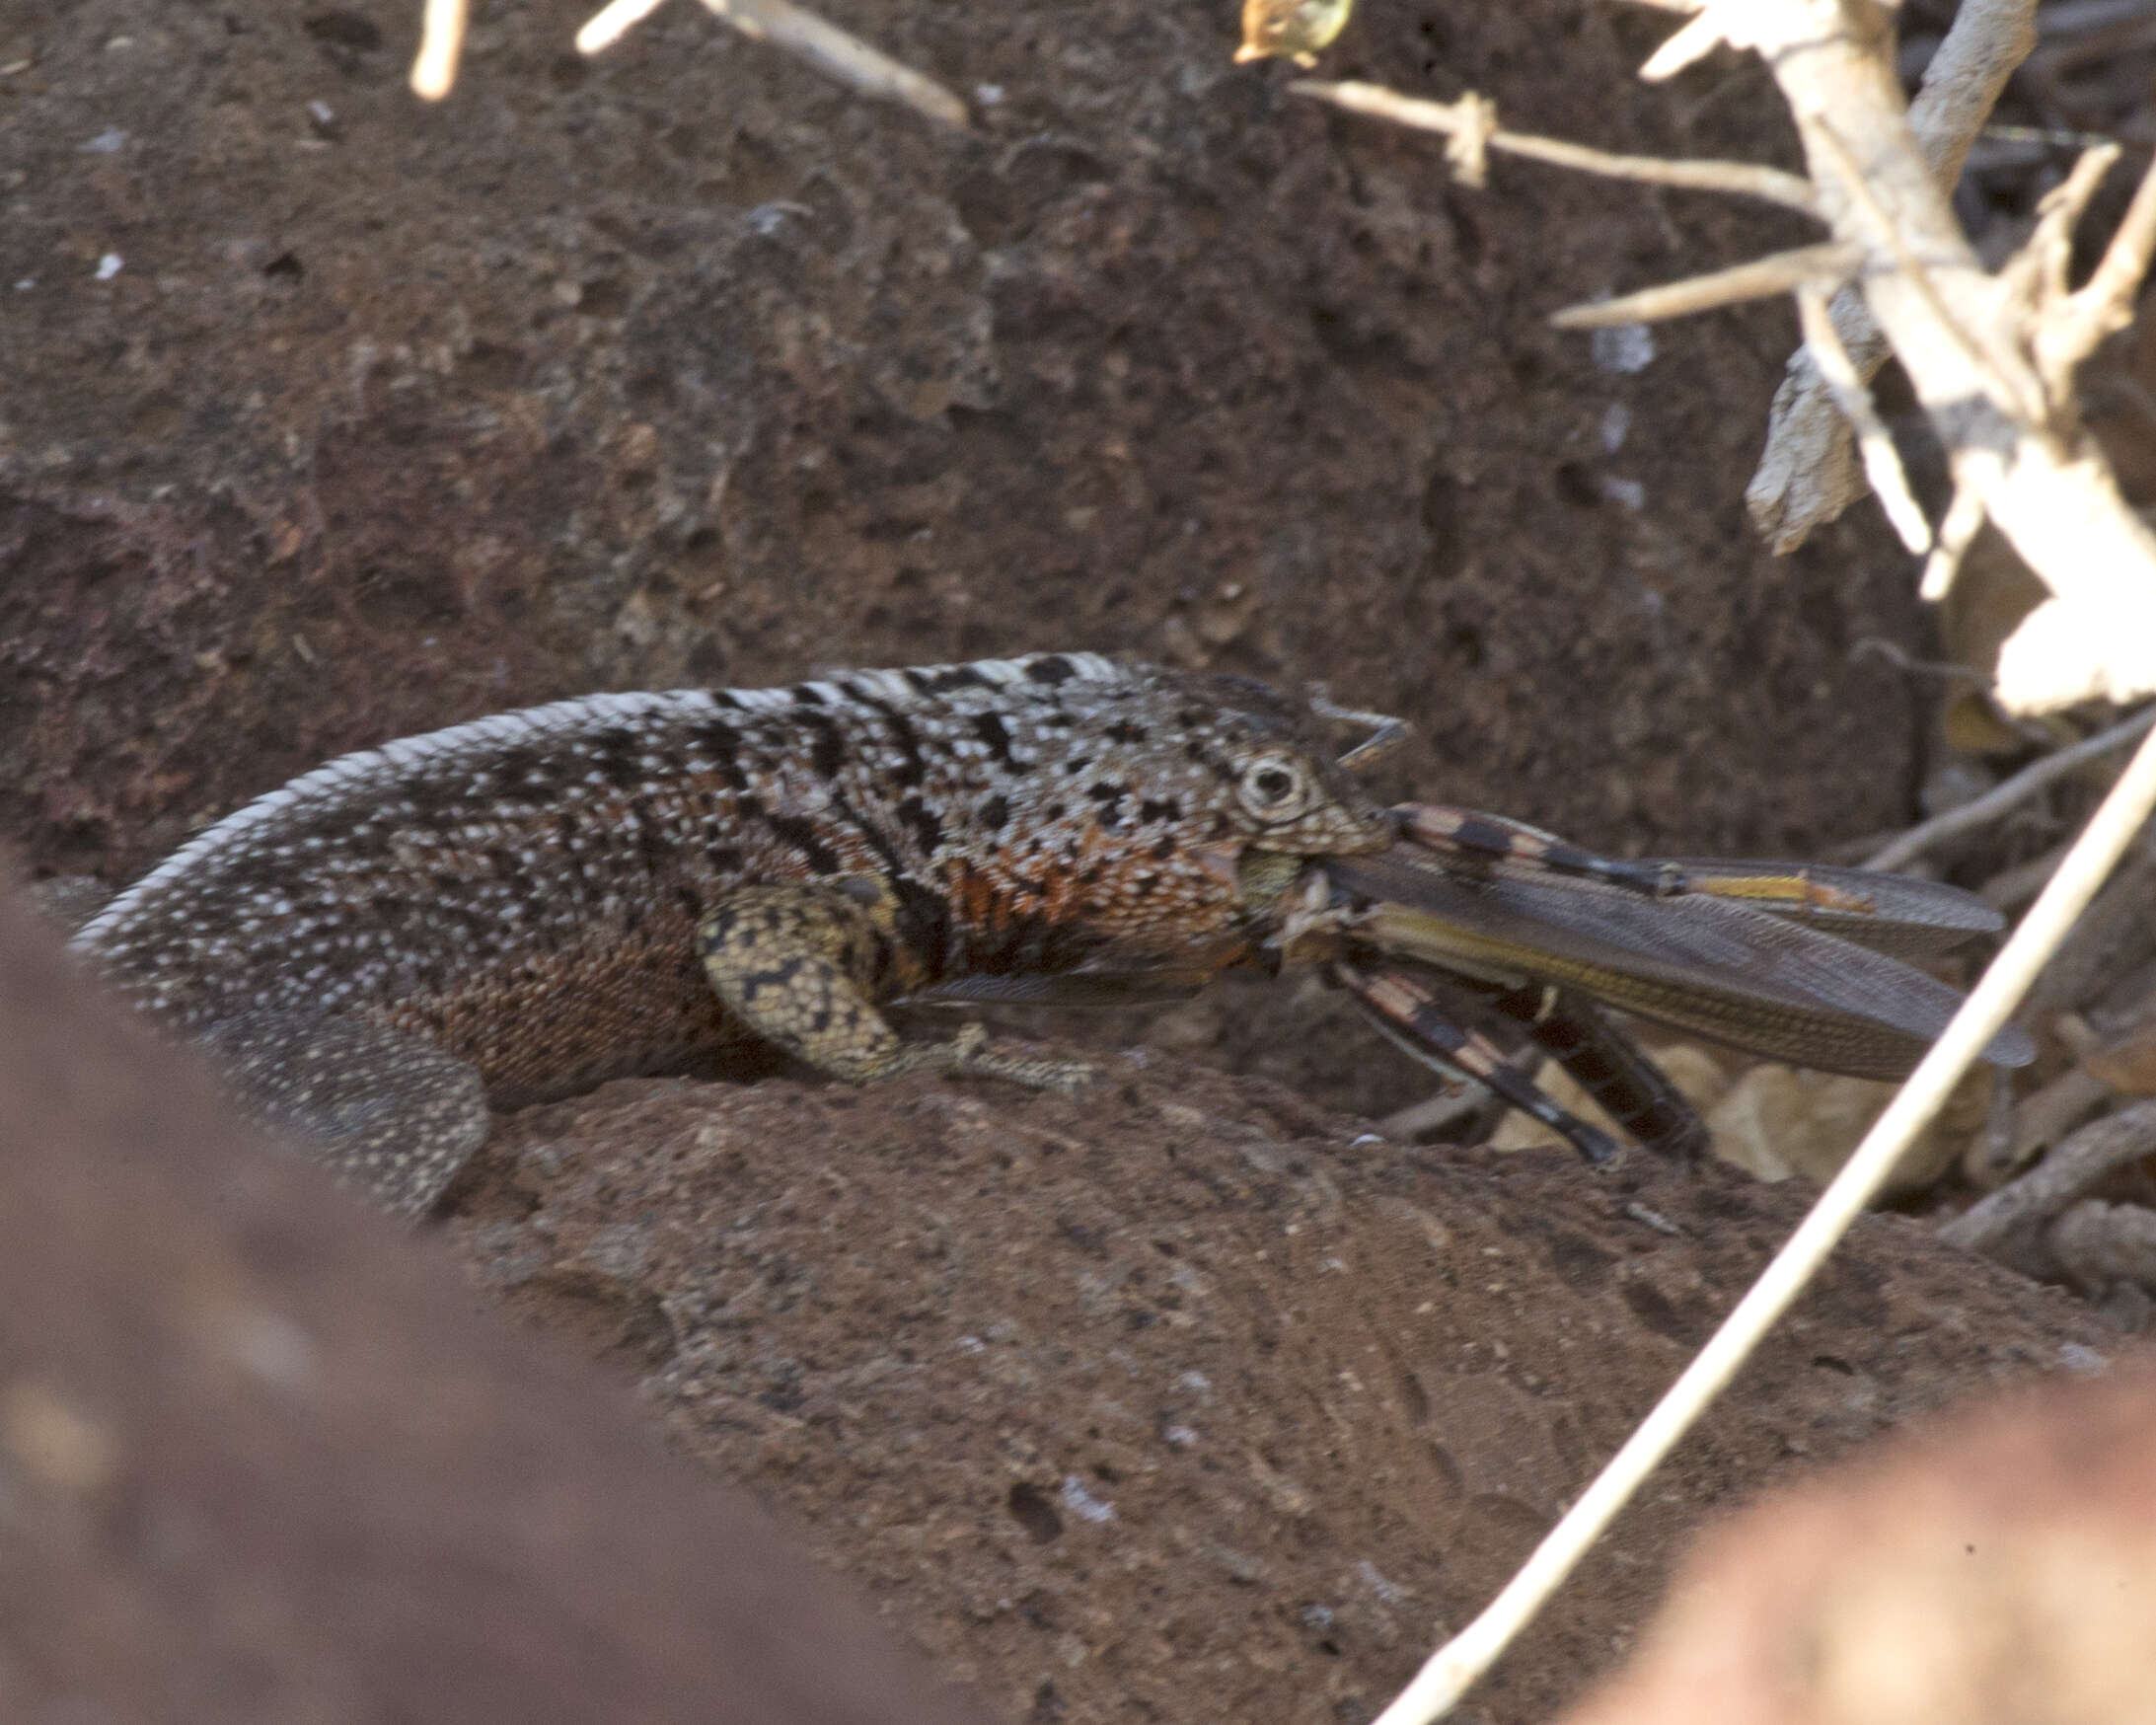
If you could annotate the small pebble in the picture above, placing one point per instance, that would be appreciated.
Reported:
(1084, 1504)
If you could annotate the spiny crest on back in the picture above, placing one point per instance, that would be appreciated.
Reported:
(912, 683)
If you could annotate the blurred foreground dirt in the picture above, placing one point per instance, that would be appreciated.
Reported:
(259, 1463)
(1996, 1569)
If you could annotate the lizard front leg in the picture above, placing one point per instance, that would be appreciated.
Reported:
(799, 965)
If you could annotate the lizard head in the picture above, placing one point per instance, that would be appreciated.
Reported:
(1137, 800)
(1265, 780)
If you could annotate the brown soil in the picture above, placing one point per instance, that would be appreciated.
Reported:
(1185, 1400)
(686, 366)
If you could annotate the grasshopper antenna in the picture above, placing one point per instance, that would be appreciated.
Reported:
(1387, 733)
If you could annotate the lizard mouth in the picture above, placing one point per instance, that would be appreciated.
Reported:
(1264, 877)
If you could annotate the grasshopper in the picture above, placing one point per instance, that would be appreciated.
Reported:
(1471, 915)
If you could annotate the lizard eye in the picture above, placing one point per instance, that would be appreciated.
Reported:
(1275, 788)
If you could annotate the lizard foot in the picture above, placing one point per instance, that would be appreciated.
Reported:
(799, 964)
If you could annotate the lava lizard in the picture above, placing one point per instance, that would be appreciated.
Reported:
(521, 906)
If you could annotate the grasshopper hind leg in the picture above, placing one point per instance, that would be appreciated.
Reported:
(1629, 1088)
(1409, 1017)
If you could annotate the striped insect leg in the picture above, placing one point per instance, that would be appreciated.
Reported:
(1629, 1088)
(1490, 839)
(1410, 1018)
(1801, 889)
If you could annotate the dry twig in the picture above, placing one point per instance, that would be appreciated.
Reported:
(797, 30)
(1474, 120)
(842, 55)
(2104, 302)
(606, 27)
(1882, 463)
(2008, 1225)
(1958, 530)
(2009, 793)
(441, 46)
(1826, 266)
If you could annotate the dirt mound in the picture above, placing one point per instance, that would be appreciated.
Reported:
(1185, 1401)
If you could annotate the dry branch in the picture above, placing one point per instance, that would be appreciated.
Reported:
(1882, 463)
(1827, 264)
(1990, 356)
(842, 55)
(1472, 121)
(2007, 1222)
(2104, 304)
(1806, 475)
(798, 32)
(606, 27)
(2009, 793)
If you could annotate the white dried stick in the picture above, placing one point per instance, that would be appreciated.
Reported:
(2105, 303)
(803, 33)
(1825, 265)
(441, 46)
(1881, 461)
(1806, 475)
(2009, 795)
(606, 27)
(1473, 117)
(842, 55)
(799, 31)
